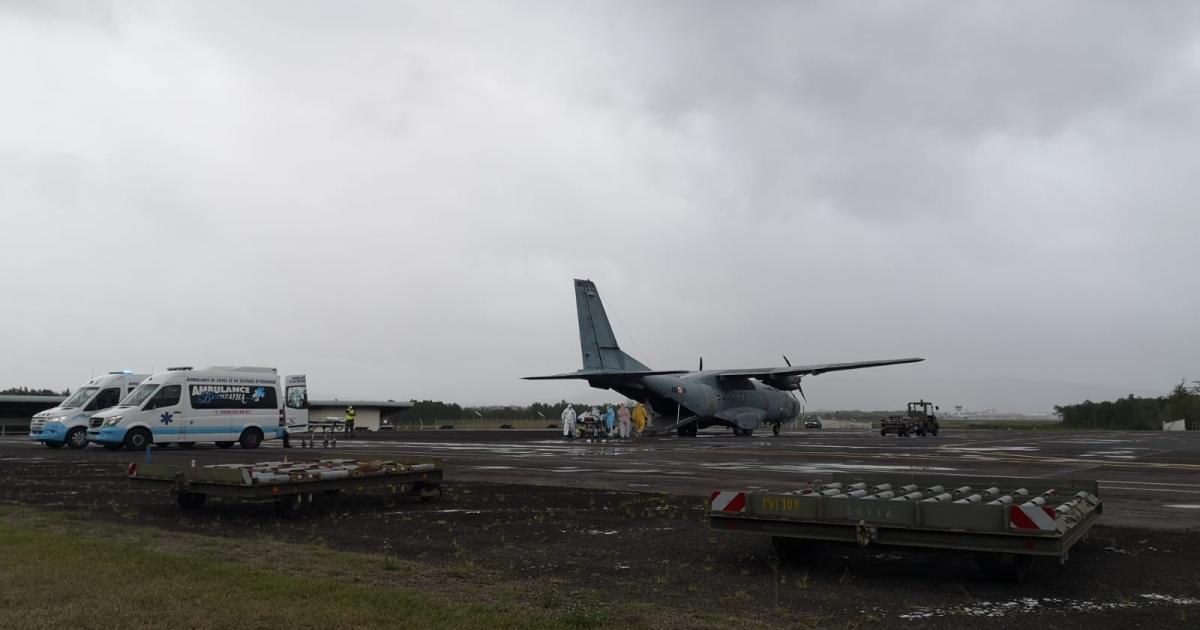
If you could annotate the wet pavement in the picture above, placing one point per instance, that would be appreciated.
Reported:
(1147, 479)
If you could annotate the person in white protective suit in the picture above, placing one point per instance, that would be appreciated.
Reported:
(568, 422)
(623, 424)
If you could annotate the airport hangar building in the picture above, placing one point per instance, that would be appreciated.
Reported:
(16, 410)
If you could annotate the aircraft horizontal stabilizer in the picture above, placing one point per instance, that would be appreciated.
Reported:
(805, 370)
(603, 374)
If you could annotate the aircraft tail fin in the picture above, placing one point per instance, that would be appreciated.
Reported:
(596, 339)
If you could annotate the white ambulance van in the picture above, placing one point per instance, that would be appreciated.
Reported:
(68, 422)
(216, 404)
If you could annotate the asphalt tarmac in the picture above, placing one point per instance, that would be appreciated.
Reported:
(1147, 479)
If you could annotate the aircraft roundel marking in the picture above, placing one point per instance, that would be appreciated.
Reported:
(679, 389)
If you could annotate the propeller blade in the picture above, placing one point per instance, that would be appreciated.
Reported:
(785, 360)
(800, 388)
(701, 364)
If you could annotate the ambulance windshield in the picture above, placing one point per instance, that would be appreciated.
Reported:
(81, 395)
(139, 395)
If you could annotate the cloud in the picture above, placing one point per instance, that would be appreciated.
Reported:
(394, 197)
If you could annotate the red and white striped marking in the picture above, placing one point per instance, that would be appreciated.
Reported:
(1031, 517)
(728, 501)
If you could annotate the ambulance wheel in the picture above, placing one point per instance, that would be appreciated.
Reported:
(138, 439)
(251, 438)
(224, 444)
(191, 500)
(77, 437)
(53, 444)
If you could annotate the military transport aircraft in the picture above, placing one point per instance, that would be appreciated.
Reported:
(687, 401)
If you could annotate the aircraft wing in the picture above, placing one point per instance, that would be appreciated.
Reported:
(603, 374)
(804, 370)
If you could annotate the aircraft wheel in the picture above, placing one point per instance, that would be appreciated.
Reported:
(775, 429)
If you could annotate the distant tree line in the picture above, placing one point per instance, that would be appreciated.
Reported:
(437, 411)
(1133, 412)
(29, 391)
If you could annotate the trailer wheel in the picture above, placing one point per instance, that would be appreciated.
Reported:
(77, 437)
(436, 496)
(224, 444)
(1008, 567)
(288, 506)
(251, 438)
(191, 500)
(934, 431)
(138, 439)
(792, 551)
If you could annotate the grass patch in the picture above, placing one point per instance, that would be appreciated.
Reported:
(57, 579)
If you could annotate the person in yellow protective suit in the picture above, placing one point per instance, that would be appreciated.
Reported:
(639, 418)
(350, 420)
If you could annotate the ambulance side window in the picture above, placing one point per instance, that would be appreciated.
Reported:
(105, 399)
(167, 396)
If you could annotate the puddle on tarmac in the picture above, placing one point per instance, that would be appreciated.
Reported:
(993, 449)
(816, 469)
(1026, 605)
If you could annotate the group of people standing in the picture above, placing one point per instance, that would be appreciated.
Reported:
(624, 421)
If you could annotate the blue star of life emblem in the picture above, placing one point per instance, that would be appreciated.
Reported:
(166, 418)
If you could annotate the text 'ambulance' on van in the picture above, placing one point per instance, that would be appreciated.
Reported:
(220, 404)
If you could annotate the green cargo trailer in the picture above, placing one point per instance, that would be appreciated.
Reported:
(291, 485)
(1005, 521)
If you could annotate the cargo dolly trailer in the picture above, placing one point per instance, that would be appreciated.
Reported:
(290, 485)
(1006, 522)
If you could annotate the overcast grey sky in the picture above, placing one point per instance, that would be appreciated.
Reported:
(394, 197)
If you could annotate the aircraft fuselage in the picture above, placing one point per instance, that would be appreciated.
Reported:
(744, 404)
